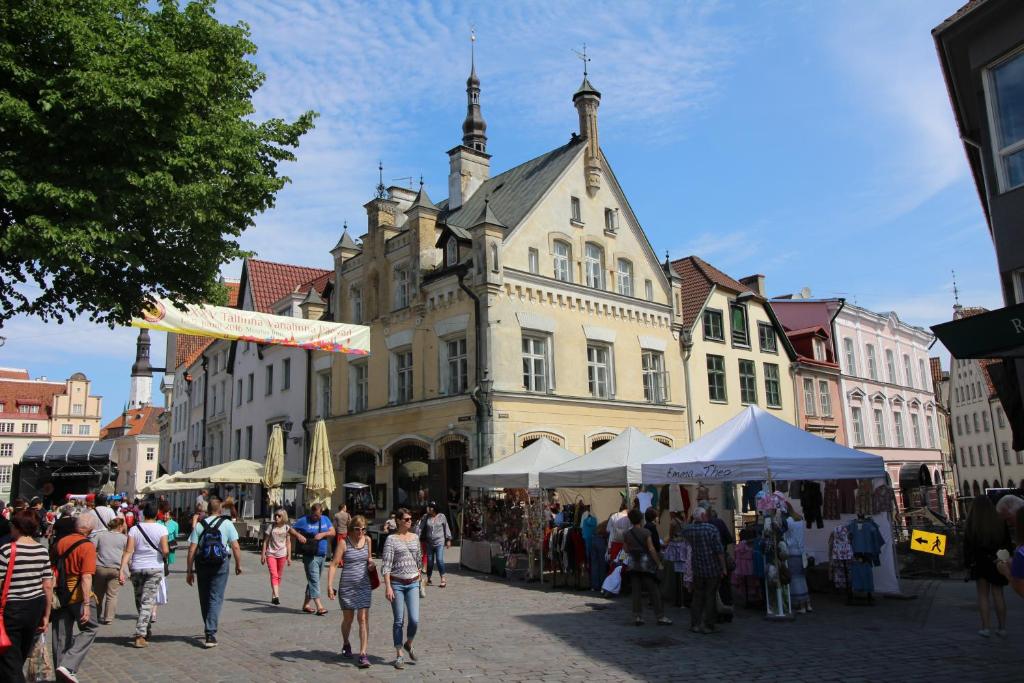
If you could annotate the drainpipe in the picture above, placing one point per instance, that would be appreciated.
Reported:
(305, 418)
(686, 342)
(995, 441)
(206, 404)
(475, 395)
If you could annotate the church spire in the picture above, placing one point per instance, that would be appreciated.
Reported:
(473, 128)
(141, 392)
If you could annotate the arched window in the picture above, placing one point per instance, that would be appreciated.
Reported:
(594, 260)
(663, 440)
(984, 486)
(977, 489)
(1009, 484)
(563, 261)
(451, 252)
(996, 485)
(624, 277)
(967, 488)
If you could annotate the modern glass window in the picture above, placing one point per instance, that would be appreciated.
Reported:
(458, 365)
(713, 327)
(356, 299)
(403, 376)
(930, 427)
(360, 386)
(890, 365)
(1004, 87)
(825, 398)
(858, 426)
(599, 371)
(594, 262)
(655, 379)
(908, 370)
(851, 356)
(624, 277)
(897, 420)
(872, 362)
(534, 260)
(766, 338)
(738, 325)
(915, 425)
(810, 407)
(269, 384)
(772, 386)
(649, 290)
(535, 364)
(716, 378)
(286, 374)
(563, 261)
(401, 287)
(574, 210)
(748, 382)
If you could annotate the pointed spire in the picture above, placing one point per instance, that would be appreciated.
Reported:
(382, 192)
(487, 216)
(474, 128)
(422, 200)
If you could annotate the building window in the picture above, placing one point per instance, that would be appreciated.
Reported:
(359, 386)
(599, 371)
(76, 409)
(401, 287)
(818, 348)
(915, 426)
(6, 427)
(772, 386)
(356, 302)
(5, 470)
(963, 457)
(251, 389)
(611, 223)
(535, 364)
(975, 416)
(984, 421)
(930, 427)
(248, 443)
(897, 419)
(879, 428)
(959, 430)
(923, 374)
(970, 453)
(1020, 457)
(594, 262)
(451, 251)
(66, 430)
(714, 330)
(716, 378)
(825, 398)
(908, 369)
(324, 386)
(150, 454)
(1004, 87)
(574, 210)
(738, 325)
(563, 261)
(28, 410)
(624, 279)
(809, 404)
(890, 366)
(236, 452)
(1006, 454)
(401, 364)
(6, 450)
(649, 290)
(858, 427)
(29, 427)
(534, 260)
(748, 382)
(999, 417)
(872, 362)
(988, 450)
(851, 356)
(766, 338)
(149, 476)
(269, 376)
(286, 374)
(458, 366)
(655, 378)
(238, 393)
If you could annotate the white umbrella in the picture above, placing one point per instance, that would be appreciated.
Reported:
(237, 472)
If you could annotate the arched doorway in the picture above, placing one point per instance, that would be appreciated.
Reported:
(411, 478)
(360, 483)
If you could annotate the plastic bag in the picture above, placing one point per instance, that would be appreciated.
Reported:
(39, 665)
(613, 584)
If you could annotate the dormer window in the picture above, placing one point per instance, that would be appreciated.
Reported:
(401, 287)
(611, 220)
(574, 210)
(451, 252)
(819, 348)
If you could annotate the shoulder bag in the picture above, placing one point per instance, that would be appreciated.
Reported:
(154, 546)
(371, 569)
(640, 561)
(5, 640)
(312, 545)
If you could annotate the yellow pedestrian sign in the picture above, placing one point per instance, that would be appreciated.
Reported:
(928, 542)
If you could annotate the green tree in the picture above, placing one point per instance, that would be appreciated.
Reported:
(129, 159)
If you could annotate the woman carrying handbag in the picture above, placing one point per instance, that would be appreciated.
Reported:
(26, 591)
(358, 579)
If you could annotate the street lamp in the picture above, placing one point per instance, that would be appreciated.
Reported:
(195, 458)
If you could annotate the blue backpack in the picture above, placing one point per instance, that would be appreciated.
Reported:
(212, 552)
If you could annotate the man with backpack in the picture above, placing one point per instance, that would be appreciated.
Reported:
(74, 561)
(209, 545)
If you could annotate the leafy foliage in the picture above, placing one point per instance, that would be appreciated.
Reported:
(129, 159)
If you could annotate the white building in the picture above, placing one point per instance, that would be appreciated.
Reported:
(136, 437)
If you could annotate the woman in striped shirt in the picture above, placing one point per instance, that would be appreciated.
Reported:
(27, 609)
(400, 568)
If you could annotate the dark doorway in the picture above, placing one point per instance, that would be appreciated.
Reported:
(360, 468)
(411, 478)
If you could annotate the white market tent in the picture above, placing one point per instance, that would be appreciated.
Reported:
(757, 446)
(615, 464)
(521, 469)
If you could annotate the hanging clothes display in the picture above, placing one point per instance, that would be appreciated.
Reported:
(866, 542)
(882, 499)
(847, 496)
(702, 493)
(864, 497)
(799, 593)
(750, 491)
(811, 502)
(840, 552)
(830, 502)
(728, 496)
(679, 499)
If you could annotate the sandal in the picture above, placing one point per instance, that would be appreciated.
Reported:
(308, 610)
(321, 612)
(444, 582)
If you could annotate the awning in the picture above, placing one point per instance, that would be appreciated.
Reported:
(995, 334)
(68, 452)
(913, 474)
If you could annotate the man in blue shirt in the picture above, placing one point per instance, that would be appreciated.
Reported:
(212, 574)
(312, 532)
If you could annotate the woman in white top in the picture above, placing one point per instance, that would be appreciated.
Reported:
(277, 552)
(147, 551)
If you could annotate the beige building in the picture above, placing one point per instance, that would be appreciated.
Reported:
(526, 304)
(136, 437)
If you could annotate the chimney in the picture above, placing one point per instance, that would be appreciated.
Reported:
(313, 306)
(422, 221)
(586, 100)
(756, 283)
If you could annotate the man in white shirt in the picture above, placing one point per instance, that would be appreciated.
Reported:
(618, 525)
(201, 500)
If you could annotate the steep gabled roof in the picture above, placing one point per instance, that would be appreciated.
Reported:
(935, 367)
(269, 282)
(698, 277)
(140, 421)
(984, 365)
(515, 192)
(188, 348)
(39, 393)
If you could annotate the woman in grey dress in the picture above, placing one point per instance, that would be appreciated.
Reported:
(355, 558)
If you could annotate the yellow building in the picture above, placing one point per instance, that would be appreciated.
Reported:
(526, 304)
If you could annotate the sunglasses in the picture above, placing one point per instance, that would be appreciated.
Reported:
(406, 519)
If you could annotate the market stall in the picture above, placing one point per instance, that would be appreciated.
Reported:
(780, 462)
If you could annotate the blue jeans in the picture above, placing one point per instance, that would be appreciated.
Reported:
(313, 564)
(212, 583)
(435, 554)
(407, 598)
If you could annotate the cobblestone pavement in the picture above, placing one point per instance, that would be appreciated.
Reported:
(486, 629)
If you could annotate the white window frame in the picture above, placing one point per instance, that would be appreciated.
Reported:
(857, 419)
(908, 369)
(575, 210)
(880, 435)
(851, 355)
(6, 449)
(67, 430)
(897, 421)
(869, 350)
(915, 426)
(402, 363)
(652, 365)
(562, 261)
(402, 288)
(1000, 152)
(810, 402)
(537, 354)
(825, 398)
(533, 260)
(149, 477)
(359, 388)
(624, 276)
(600, 371)
(454, 366)
(818, 349)
(745, 379)
(593, 259)
(6, 470)
(356, 303)
(649, 290)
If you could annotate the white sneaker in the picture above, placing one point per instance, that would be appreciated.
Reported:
(66, 675)
(984, 633)
(1001, 633)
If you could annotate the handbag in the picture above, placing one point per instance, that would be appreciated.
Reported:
(5, 640)
(312, 545)
(39, 666)
(640, 561)
(371, 571)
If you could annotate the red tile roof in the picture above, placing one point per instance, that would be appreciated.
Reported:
(140, 421)
(968, 312)
(984, 363)
(234, 289)
(187, 349)
(698, 277)
(270, 282)
(935, 366)
(13, 373)
(31, 393)
(319, 283)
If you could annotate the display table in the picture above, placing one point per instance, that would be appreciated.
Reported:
(476, 555)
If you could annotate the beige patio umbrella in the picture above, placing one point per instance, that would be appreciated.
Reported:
(172, 482)
(320, 482)
(237, 472)
(273, 468)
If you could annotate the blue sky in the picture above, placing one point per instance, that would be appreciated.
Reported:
(809, 141)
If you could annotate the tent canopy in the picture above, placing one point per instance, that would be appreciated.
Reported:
(520, 470)
(617, 463)
(237, 472)
(755, 445)
(172, 482)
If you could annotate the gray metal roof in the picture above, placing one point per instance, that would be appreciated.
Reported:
(68, 451)
(513, 193)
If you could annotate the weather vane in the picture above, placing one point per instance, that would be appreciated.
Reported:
(472, 45)
(382, 192)
(584, 58)
(956, 292)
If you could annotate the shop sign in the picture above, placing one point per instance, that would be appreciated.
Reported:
(928, 542)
